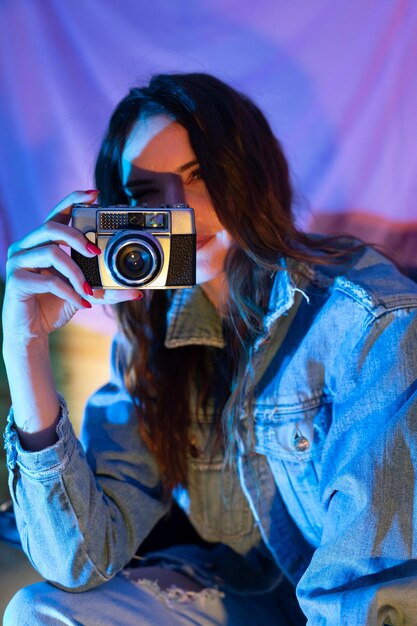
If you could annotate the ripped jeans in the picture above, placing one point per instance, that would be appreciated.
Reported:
(184, 596)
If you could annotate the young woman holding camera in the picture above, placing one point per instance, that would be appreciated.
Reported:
(274, 403)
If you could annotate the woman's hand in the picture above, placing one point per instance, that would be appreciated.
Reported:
(44, 286)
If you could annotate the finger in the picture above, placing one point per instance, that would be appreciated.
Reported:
(49, 257)
(62, 212)
(53, 232)
(52, 261)
(114, 296)
(28, 284)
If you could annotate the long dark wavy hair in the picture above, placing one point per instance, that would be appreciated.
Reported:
(247, 177)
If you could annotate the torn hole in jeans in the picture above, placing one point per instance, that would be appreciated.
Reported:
(175, 595)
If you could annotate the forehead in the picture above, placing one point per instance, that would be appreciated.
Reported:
(157, 144)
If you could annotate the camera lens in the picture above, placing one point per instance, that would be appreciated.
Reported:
(133, 259)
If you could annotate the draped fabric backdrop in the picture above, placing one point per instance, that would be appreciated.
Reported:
(337, 80)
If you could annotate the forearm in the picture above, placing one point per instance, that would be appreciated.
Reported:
(79, 526)
(33, 392)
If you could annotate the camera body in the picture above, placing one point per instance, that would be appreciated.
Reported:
(142, 247)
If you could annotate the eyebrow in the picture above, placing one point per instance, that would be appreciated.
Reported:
(186, 166)
(149, 181)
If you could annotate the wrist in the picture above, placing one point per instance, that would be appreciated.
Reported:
(18, 346)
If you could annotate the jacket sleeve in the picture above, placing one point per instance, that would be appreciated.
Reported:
(365, 569)
(83, 510)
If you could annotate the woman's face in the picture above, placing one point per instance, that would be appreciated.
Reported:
(160, 167)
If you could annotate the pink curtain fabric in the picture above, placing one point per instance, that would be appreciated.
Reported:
(336, 79)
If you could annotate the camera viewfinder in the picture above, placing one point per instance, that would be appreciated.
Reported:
(155, 220)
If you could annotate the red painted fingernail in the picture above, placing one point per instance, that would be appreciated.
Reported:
(87, 289)
(93, 249)
(139, 296)
(86, 304)
(91, 191)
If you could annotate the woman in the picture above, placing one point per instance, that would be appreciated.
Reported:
(274, 402)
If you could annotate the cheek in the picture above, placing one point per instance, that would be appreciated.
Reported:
(206, 219)
(211, 257)
(203, 209)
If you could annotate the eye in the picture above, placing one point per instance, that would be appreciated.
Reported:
(195, 175)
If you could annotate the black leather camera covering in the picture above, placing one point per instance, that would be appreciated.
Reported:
(89, 267)
(181, 270)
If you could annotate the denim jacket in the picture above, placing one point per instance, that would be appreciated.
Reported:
(329, 486)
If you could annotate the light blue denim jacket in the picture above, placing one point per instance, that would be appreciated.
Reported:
(330, 486)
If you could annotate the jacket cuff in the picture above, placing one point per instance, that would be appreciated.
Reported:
(44, 463)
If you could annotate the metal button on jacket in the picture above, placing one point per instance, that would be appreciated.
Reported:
(300, 443)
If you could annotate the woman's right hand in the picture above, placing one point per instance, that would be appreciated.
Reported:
(44, 286)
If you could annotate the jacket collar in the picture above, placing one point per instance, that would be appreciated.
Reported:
(193, 320)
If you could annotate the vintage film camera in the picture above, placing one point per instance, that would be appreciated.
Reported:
(142, 247)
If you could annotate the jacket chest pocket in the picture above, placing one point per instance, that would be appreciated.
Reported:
(218, 507)
(292, 439)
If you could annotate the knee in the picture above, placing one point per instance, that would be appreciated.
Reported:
(18, 611)
(24, 609)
